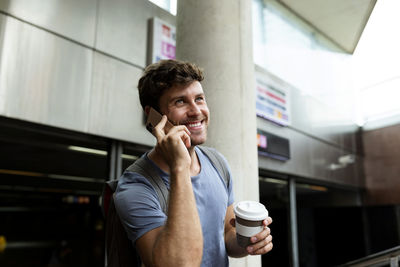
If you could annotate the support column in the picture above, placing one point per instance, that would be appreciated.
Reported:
(217, 36)
(114, 160)
(294, 250)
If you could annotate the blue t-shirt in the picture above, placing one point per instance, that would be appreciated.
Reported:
(138, 206)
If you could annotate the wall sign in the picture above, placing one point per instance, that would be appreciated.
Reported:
(272, 101)
(162, 40)
(273, 146)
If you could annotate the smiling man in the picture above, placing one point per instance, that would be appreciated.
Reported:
(198, 227)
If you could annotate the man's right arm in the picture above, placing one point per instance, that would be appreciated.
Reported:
(180, 241)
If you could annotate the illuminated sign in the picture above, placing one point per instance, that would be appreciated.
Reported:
(272, 102)
(273, 146)
(162, 41)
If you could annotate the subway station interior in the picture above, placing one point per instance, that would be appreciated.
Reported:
(303, 96)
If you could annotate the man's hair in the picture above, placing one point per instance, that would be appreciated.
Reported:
(160, 76)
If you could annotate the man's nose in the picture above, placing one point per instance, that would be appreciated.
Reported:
(194, 109)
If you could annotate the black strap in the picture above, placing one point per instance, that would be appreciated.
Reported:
(147, 170)
(108, 191)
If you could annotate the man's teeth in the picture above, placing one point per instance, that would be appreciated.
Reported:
(195, 124)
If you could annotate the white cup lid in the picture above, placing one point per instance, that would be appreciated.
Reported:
(250, 210)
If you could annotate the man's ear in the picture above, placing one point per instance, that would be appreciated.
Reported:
(147, 110)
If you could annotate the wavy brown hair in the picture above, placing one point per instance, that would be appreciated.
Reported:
(163, 75)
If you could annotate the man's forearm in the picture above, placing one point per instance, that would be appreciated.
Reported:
(181, 241)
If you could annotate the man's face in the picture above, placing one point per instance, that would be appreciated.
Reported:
(186, 105)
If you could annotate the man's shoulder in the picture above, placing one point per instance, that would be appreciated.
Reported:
(143, 179)
(131, 180)
(134, 190)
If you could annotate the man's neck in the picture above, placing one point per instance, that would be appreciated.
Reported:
(162, 164)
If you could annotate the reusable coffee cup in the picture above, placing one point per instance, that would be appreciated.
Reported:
(249, 220)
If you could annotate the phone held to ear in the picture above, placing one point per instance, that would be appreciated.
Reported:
(153, 118)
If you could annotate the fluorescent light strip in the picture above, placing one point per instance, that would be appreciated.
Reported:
(124, 156)
(54, 176)
(88, 150)
(272, 180)
(99, 152)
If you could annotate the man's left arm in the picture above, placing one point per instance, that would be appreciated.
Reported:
(261, 243)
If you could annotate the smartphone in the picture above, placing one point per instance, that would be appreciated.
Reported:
(154, 118)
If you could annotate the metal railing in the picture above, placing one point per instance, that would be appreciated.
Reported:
(389, 257)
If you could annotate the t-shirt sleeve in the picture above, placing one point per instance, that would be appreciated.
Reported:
(138, 206)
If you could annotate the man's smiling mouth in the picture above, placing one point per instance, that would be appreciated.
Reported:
(194, 124)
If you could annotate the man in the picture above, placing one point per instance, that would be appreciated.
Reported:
(198, 228)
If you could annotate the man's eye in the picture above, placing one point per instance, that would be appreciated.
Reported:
(179, 101)
(200, 99)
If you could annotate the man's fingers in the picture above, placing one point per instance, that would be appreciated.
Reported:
(260, 236)
(165, 134)
(267, 221)
(261, 241)
(158, 130)
(186, 138)
(176, 134)
(261, 247)
(179, 128)
(182, 132)
(264, 249)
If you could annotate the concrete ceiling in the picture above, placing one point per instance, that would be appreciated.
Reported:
(341, 21)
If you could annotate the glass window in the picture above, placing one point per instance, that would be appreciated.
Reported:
(169, 5)
(50, 183)
(287, 47)
(376, 67)
(323, 214)
(274, 195)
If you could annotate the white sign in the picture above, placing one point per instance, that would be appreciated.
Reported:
(272, 101)
(162, 40)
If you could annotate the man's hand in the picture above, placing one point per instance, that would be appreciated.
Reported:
(262, 242)
(173, 145)
(170, 245)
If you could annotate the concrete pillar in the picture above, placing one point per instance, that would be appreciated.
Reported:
(217, 36)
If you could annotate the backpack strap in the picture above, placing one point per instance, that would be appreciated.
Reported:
(108, 191)
(119, 250)
(146, 169)
(218, 162)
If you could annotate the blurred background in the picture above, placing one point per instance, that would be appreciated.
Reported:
(319, 86)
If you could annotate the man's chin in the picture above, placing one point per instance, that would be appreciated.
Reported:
(196, 142)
